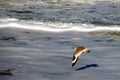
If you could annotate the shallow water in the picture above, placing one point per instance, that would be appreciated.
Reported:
(47, 56)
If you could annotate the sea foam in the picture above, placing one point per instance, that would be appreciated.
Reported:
(58, 27)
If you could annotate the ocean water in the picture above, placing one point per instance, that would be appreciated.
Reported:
(37, 36)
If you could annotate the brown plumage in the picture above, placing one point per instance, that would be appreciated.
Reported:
(77, 53)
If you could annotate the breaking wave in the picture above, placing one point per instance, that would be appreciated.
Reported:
(57, 26)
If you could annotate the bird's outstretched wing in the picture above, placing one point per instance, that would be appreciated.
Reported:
(75, 59)
(76, 54)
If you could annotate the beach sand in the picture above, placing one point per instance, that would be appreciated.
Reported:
(40, 55)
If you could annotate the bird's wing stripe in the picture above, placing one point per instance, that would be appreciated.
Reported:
(76, 59)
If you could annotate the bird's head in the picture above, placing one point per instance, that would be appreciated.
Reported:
(86, 50)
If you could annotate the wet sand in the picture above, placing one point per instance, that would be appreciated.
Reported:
(38, 55)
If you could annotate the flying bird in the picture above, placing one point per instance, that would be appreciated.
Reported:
(77, 53)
